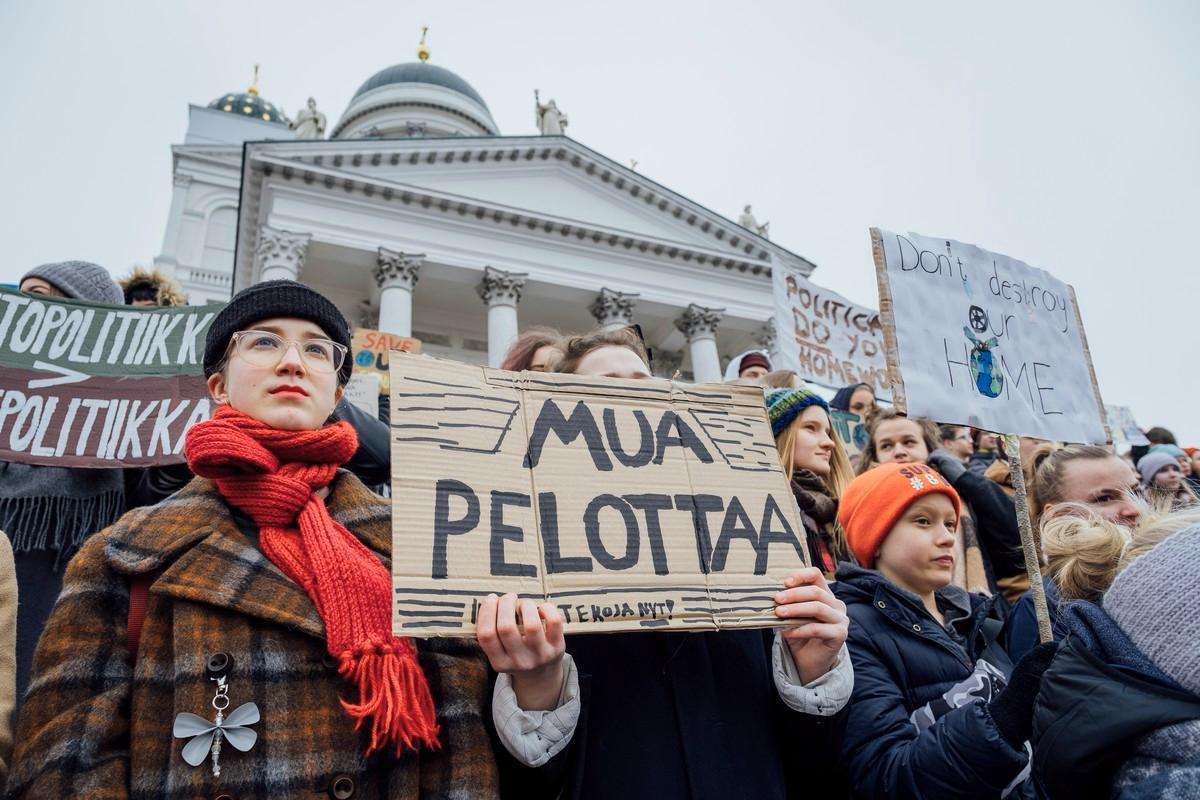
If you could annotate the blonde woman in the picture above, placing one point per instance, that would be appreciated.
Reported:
(1118, 711)
(817, 467)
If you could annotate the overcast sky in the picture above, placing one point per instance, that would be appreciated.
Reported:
(1064, 134)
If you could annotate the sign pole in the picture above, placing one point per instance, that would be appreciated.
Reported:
(1012, 449)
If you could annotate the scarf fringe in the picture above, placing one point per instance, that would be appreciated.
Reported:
(57, 523)
(394, 693)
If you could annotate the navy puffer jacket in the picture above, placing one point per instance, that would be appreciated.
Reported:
(903, 658)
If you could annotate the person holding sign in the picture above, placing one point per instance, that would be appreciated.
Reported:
(938, 710)
(264, 596)
(664, 715)
(815, 462)
(46, 511)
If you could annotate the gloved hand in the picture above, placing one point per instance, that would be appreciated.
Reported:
(1012, 710)
(951, 468)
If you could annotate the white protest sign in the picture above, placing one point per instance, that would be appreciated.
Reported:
(363, 391)
(1125, 430)
(985, 340)
(827, 339)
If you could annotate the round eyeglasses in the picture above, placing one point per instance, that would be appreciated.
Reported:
(266, 349)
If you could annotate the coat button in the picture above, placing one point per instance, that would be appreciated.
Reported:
(219, 664)
(881, 604)
(916, 627)
(341, 787)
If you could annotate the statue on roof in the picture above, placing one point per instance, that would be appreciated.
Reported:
(747, 221)
(550, 121)
(309, 123)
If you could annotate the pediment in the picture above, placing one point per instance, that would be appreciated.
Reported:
(552, 178)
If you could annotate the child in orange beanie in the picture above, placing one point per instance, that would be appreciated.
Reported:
(938, 709)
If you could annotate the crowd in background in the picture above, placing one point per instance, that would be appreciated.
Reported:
(256, 575)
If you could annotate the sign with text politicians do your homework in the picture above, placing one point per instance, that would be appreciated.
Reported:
(824, 337)
(981, 339)
(88, 385)
(630, 505)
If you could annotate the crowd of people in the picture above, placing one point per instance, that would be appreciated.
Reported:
(222, 628)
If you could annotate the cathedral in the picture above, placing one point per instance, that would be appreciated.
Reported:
(418, 217)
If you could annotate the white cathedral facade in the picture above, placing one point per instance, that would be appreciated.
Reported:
(417, 217)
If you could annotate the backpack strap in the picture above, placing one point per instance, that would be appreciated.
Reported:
(139, 591)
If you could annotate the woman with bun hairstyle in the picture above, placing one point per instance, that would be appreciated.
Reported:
(815, 463)
(1070, 479)
(938, 709)
(265, 599)
(1118, 712)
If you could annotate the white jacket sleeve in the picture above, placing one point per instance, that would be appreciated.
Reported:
(535, 737)
(825, 696)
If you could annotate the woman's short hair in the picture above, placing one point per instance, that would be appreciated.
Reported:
(520, 353)
(870, 458)
(576, 347)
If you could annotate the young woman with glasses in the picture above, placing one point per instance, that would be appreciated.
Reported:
(265, 665)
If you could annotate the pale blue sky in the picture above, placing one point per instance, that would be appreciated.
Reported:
(1064, 134)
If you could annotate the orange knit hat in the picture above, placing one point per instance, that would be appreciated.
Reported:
(870, 506)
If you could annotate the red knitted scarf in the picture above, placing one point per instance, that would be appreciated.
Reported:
(273, 476)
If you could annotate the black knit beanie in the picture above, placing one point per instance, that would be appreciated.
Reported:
(275, 299)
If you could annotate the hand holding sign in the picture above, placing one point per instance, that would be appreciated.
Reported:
(814, 646)
(528, 650)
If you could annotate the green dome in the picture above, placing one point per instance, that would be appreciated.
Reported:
(417, 72)
(249, 104)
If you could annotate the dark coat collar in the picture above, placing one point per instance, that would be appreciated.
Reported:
(193, 540)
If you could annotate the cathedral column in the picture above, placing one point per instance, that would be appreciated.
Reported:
(501, 290)
(280, 254)
(396, 275)
(612, 309)
(767, 340)
(699, 325)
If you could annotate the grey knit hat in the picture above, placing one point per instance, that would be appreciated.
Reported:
(1152, 464)
(1153, 601)
(80, 280)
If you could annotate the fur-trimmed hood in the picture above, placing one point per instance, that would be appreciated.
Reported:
(170, 293)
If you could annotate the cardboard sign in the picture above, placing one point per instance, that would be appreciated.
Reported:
(1126, 432)
(370, 352)
(978, 338)
(89, 385)
(849, 428)
(827, 339)
(631, 505)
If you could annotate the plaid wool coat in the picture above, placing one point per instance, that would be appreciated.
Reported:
(94, 726)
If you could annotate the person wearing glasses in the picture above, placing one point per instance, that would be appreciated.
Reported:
(262, 661)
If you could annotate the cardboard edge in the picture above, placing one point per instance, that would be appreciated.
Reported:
(1087, 352)
(887, 321)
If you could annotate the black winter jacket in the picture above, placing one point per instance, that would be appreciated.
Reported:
(903, 658)
(683, 716)
(1089, 715)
